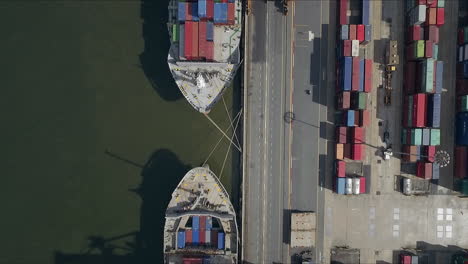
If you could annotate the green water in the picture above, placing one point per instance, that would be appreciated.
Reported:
(93, 136)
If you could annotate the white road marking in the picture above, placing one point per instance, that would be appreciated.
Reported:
(311, 35)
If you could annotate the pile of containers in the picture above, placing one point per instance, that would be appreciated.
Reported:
(461, 120)
(195, 29)
(422, 86)
(201, 234)
(354, 81)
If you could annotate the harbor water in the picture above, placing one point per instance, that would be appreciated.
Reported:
(95, 134)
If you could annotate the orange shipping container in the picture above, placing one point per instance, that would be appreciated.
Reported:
(431, 17)
(339, 151)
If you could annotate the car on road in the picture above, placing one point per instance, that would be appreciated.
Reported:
(349, 186)
(356, 185)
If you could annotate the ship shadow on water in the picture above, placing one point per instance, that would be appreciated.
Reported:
(153, 59)
(160, 175)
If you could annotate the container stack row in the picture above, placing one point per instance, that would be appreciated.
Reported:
(354, 82)
(201, 234)
(423, 83)
(194, 31)
(461, 119)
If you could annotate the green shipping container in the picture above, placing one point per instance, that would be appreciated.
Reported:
(361, 101)
(416, 136)
(441, 3)
(403, 136)
(175, 32)
(435, 52)
(410, 111)
(465, 34)
(435, 137)
(427, 71)
(464, 104)
(419, 52)
(464, 187)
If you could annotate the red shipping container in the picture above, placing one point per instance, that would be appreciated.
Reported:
(364, 118)
(188, 236)
(352, 32)
(432, 34)
(431, 3)
(340, 168)
(357, 118)
(431, 16)
(202, 222)
(343, 12)
(209, 9)
(202, 40)
(355, 74)
(231, 16)
(347, 151)
(362, 185)
(420, 169)
(419, 110)
(341, 134)
(404, 121)
(404, 259)
(347, 48)
(357, 150)
(414, 33)
(360, 33)
(461, 36)
(209, 51)
(194, 40)
(462, 87)
(358, 135)
(435, 76)
(202, 235)
(368, 71)
(410, 72)
(421, 2)
(188, 39)
(344, 100)
(410, 52)
(440, 16)
(188, 11)
(428, 50)
(430, 152)
(461, 158)
(214, 238)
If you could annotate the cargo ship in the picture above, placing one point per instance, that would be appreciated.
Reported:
(204, 54)
(201, 225)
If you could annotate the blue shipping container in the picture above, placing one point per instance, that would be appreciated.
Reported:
(195, 236)
(426, 137)
(347, 70)
(433, 110)
(181, 11)
(418, 152)
(461, 135)
(209, 31)
(439, 76)
(195, 221)
(344, 32)
(206, 260)
(195, 12)
(367, 33)
(209, 223)
(202, 8)
(361, 75)
(220, 12)
(340, 185)
(350, 118)
(435, 171)
(366, 12)
(181, 239)
(220, 240)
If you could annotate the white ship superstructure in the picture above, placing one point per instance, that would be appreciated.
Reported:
(204, 54)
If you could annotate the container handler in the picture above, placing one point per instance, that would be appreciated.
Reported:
(392, 61)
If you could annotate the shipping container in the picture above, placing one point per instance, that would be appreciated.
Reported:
(367, 34)
(440, 3)
(414, 33)
(339, 151)
(340, 168)
(220, 240)
(463, 104)
(362, 185)
(440, 17)
(209, 9)
(195, 11)
(182, 41)
(461, 53)
(343, 12)
(202, 238)
(349, 120)
(426, 136)
(344, 100)
(410, 111)
(435, 171)
(195, 222)
(209, 31)
(410, 72)
(424, 170)
(352, 32)
(231, 16)
(188, 236)
(202, 222)
(409, 5)
(354, 48)
(357, 119)
(435, 51)
(357, 151)
(433, 110)
(195, 236)
(214, 238)
(432, 34)
(462, 86)
(418, 15)
(419, 153)
(368, 65)
(347, 48)
(208, 236)
(427, 76)
(428, 49)
(202, 39)
(181, 11)
(188, 39)
(180, 239)
(465, 34)
(202, 8)
(411, 153)
(405, 259)
(360, 33)
(461, 129)
(361, 75)
(461, 160)
(220, 13)
(364, 118)
(429, 152)
(431, 17)
(366, 12)
(465, 52)
(209, 223)
(461, 38)
(431, 3)
(195, 34)
(355, 75)
(358, 135)
(416, 136)
(344, 32)
(347, 73)
(439, 76)
(210, 51)
(419, 110)
(435, 137)
(347, 151)
(175, 32)
(359, 101)
(404, 136)
(340, 185)
(341, 134)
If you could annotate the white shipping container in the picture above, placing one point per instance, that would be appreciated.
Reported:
(460, 53)
(418, 15)
(208, 236)
(355, 48)
(465, 49)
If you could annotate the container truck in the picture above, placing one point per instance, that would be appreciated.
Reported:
(414, 186)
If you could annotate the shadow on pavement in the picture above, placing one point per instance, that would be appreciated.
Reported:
(431, 253)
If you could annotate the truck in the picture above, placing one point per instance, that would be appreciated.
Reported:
(410, 186)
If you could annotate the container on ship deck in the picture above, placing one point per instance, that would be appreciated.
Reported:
(439, 75)
(355, 75)
(462, 86)
(344, 100)
(231, 18)
(361, 75)
(358, 101)
(357, 151)
(340, 168)
(340, 185)
(347, 48)
(410, 73)
(367, 34)
(339, 151)
(424, 170)
(360, 35)
(368, 67)
(426, 136)
(182, 41)
(419, 110)
(341, 134)
(354, 48)
(364, 118)
(435, 137)
(429, 152)
(352, 32)
(461, 129)
(431, 17)
(357, 135)
(344, 32)
(428, 49)
(432, 33)
(414, 33)
(433, 110)
(440, 17)
(181, 11)
(343, 12)
(461, 160)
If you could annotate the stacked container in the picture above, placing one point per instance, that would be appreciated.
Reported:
(423, 83)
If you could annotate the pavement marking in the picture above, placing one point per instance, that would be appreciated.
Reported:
(448, 231)
(440, 231)
(311, 36)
